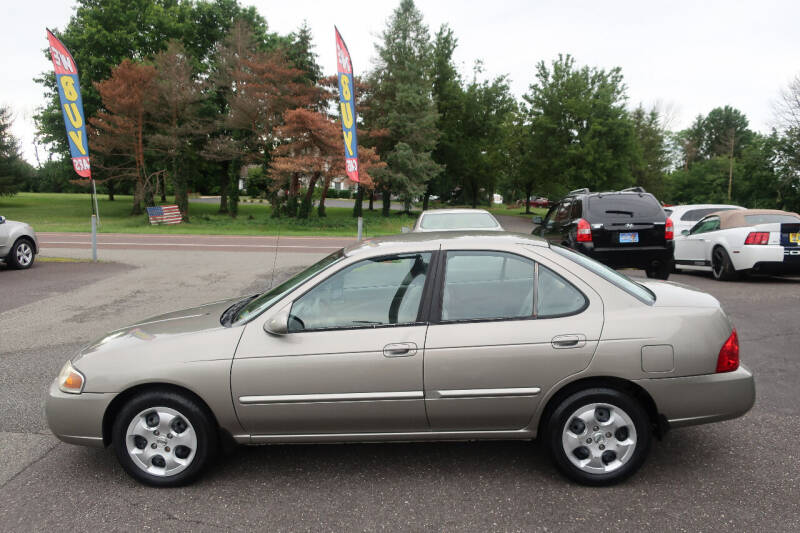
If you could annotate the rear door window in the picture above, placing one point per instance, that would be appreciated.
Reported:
(487, 285)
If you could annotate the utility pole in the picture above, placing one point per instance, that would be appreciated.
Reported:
(732, 136)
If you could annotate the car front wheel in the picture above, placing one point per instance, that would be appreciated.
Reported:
(598, 436)
(21, 255)
(163, 439)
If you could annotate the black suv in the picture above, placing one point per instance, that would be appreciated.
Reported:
(624, 229)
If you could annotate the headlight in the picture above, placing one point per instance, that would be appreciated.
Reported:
(70, 380)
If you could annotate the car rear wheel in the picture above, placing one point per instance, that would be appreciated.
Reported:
(721, 266)
(598, 436)
(21, 255)
(163, 439)
(662, 271)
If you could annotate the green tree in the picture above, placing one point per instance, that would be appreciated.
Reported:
(479, 156)
(580, 132)
(449, 96)
(401, 102)
(651, 159)
(13, 169)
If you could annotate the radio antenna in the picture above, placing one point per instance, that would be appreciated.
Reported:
(275, 257)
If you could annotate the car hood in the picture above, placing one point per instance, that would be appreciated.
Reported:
(14, 224)
(671, 294)
(169, 325)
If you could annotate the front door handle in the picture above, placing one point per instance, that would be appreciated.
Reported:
(400, 349)
(568, 341)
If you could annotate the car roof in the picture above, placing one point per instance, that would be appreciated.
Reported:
(448, 240)
(456, 210)
(734, 218)
(701, 206)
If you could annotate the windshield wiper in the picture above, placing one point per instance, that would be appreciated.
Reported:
(365, 322)
(228, 315)
(629, 213)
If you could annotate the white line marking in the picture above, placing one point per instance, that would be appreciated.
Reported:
(191, 245)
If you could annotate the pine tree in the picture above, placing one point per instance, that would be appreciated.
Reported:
(401, 102)
(11, 165)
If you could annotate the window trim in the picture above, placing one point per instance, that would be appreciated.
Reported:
(422, 312)
(435, 317)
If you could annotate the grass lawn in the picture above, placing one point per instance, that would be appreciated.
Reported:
(72, 212)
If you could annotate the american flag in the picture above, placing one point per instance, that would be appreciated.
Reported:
(165, 214)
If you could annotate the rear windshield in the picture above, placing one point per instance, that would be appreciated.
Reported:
(609, 274)
(457, 221)
(693, 215)
(615, 207)
(768, 219)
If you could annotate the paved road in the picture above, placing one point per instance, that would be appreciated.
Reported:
(228, 243)
(742, 474)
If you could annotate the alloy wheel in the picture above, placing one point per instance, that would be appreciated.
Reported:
(24, 254)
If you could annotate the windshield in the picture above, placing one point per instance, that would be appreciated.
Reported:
(264, 301)
(609, 274)
(458, 221)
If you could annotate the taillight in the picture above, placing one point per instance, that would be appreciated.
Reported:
(584, 231)
(669, 230)
(728, 359)
(757, 237)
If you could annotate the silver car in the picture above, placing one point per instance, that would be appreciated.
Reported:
(421, 336)
(18, 243)
(456, 220)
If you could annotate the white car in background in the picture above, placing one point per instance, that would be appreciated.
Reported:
(18, 244)
(686, 216)
(741, 241)
(456, 220)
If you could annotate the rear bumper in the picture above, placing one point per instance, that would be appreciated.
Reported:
(77, 418)
(694, 400)
(629, 257)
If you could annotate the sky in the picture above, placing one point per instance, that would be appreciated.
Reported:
(686, 57)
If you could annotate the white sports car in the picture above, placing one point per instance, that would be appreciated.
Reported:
(741, 241)
(686, 216)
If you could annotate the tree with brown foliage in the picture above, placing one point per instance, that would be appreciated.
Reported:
(312, 140)
(256, 88)
(118, 130)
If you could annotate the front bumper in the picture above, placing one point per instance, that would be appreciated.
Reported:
(77, 418)
(686, 401)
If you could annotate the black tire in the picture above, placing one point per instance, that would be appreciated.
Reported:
(197, 416)
(15, 261)
(662, 271)
(559, 418)
(721, 266)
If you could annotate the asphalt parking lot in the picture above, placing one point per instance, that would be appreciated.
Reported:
(742, 474)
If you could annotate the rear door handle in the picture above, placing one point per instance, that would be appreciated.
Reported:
(400, 349)
(568, 341)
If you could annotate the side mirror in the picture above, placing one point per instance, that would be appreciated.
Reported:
(685, 232)
(278, 324)
(538, 219)
(2, 219)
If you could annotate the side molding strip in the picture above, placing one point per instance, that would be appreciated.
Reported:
(486, 393)
(337, 397)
